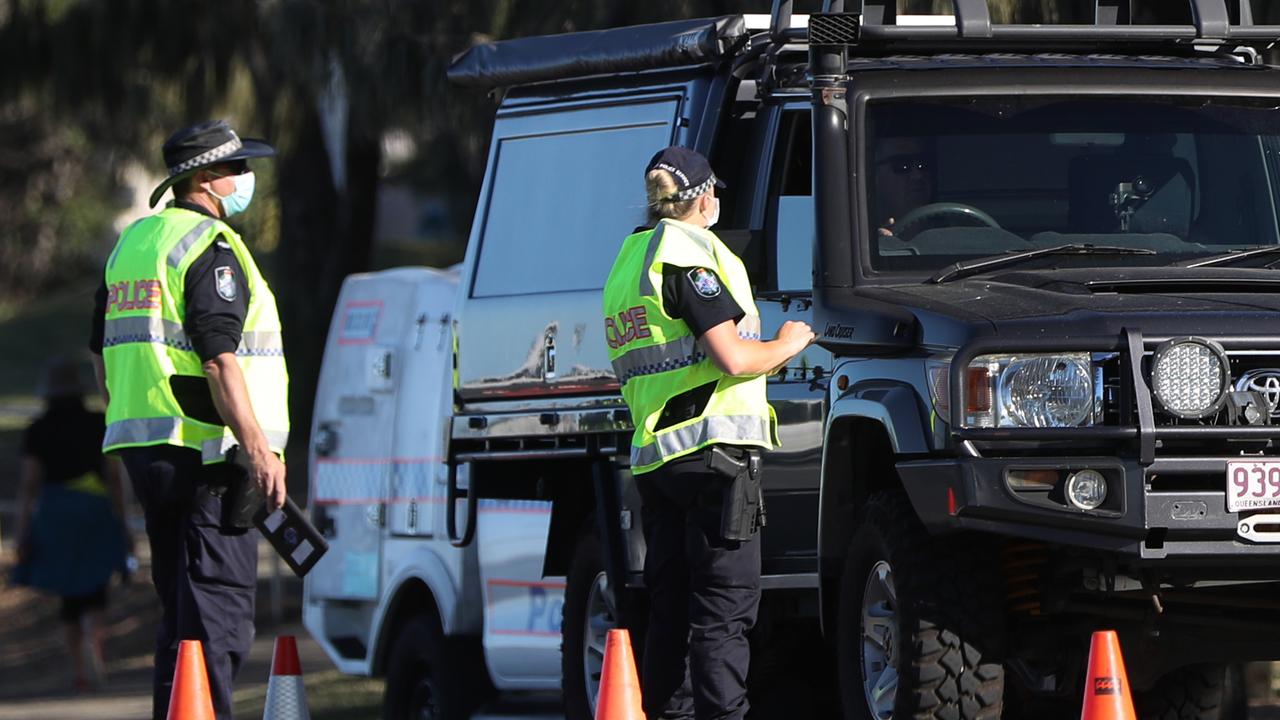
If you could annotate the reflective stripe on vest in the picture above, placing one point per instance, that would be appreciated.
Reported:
(143, 431)
(187, 242)
(216, 450)
(657, 358)
(676, 354)
(117, 331)
(702, 432)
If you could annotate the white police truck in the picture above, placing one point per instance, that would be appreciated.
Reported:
(393, 597)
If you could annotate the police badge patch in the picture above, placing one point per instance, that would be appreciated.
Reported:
(225, 280)
(704, 282)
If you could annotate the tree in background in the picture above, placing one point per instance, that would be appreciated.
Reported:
(100, 85)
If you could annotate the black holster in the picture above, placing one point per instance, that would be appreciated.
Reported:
(742, 513)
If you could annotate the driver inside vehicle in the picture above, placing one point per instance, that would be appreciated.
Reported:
(904, 178)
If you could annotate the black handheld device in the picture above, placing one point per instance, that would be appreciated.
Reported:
(288, 529)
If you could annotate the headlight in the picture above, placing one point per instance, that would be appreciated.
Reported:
(1047, 391)
(1032, 390)
(1190, 377)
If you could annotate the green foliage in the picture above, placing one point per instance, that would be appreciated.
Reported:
(58, 196)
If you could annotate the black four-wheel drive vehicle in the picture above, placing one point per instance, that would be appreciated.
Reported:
(1045, 395)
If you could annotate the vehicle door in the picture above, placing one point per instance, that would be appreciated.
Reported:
(418, 470)
(353, 433)
(773, 227)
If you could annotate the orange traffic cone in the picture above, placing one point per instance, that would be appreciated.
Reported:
(619, 697)
(1106, 690)
(286, 697)
(189, 699)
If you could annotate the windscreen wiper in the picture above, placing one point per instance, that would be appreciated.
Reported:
(1231, 257)
(994, 262)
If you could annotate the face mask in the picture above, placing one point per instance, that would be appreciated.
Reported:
(715, 214)
(239, 198)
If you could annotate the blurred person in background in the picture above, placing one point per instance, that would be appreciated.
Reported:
(71, 529)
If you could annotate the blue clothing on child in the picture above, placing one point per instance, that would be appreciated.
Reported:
(74, 540)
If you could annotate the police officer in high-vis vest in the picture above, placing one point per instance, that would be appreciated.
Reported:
(194, 370)
(684, 338)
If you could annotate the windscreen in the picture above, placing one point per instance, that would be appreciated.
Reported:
(954, 179)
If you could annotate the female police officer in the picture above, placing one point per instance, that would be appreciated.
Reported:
(684, 339)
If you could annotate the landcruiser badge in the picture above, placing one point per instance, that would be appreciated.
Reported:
(226, 283)
(705, 282)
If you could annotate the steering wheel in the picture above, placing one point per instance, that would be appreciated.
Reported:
(932, 210)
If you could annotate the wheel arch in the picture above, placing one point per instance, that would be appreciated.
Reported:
(413, 595)
(866, 430)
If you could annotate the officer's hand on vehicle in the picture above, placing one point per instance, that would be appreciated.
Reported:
(268, 472)
(796, 334)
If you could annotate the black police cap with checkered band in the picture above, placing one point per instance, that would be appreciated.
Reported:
(199, 146)
(690, 169)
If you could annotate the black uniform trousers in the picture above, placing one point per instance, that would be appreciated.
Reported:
(704, 592)
(205, 575)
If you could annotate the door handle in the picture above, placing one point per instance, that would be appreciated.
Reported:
(326, 440)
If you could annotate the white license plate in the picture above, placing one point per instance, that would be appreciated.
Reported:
(1253, 485)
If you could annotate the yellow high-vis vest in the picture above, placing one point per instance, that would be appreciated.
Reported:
(656, 357)
(144, 344)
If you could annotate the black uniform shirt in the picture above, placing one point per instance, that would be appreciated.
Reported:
(698, 297)
(214, 318)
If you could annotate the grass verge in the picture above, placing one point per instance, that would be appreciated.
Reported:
(330, 696)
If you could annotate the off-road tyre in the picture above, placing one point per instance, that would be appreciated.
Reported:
(431, 677)
(585, 570)
(1210, 691)
(949, 636)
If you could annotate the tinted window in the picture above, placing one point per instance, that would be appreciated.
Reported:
(565, 191)
(954, 179)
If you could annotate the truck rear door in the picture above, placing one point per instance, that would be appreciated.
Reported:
(352, 447)
(425, 403)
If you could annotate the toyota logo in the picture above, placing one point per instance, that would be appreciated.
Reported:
(1264, 382)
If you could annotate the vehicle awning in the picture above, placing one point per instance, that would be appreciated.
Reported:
(627, 49)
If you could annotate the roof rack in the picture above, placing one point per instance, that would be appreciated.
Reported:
(872, 26)
(1214, 22)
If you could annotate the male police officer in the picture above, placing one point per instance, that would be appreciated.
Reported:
(684, 339)
(193, 366)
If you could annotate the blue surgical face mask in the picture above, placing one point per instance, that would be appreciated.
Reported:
(715, 214)
(239, 198)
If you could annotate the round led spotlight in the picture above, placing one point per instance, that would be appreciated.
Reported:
(1086, 489)
(1190, 377)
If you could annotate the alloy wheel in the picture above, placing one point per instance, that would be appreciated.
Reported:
(879, 641)
(601, 617)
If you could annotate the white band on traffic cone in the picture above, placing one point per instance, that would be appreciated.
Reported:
(286, 699)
